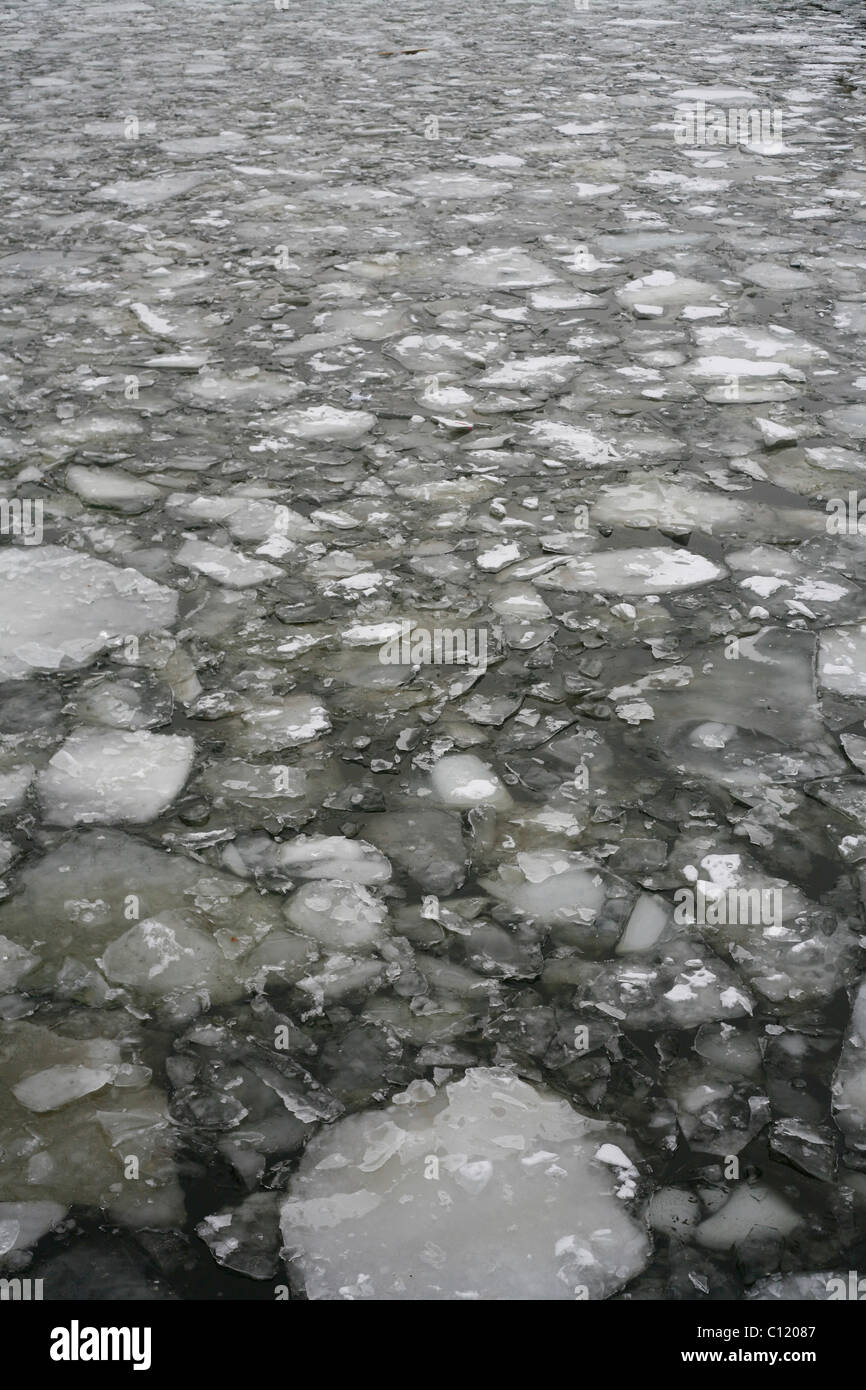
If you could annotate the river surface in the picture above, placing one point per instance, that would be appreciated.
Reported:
(433, 650)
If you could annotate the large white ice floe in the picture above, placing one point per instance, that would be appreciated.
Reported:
(654, 570)
(530, 372)
(575, 442)
(327, 423)
(105, 776)
(759, 343)
(60, 608)
(487, 1188)
(664, 289)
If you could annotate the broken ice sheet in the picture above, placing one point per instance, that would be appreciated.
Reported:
(362, 1191)
(784, 950)
(114, 776)
(61, 608)
(277, 396)
(97, 887)
(85, 1109)
(247, 1238)
(633, 571)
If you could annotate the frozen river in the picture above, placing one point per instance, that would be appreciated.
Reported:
(433, 649)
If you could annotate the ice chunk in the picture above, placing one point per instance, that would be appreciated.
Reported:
(575, 442)
(723, 368)
(656, 570)
(236, 783)
(842, 659)
(777, 939)
(759, 344)
(779, 662)
(77, 899)
(771, 276)
(245, 1239)
(425, 845)
(649, 917)
(14, 786)
(677, 985)
(672, 506)
(505, 268)
(520, 601)
(309, 857)
(164, 956)
(849, 420)
(455, 185)
(142, 193)
(724, 95)
(226, 566)
(655, 502)
(489, 1188)
(326, 423)
(110, 487)
(60, 608)
(22, 1224)
(849, 1083)
(248, 518)
(101, 777)
(532, 372)
(663, 288)
(57, 1086)
(339, 915)
(137, 703)
(674, 1211)
(80, 1133)
(341, 974)
(463, 780)
(807, 1287)
(372, 634)
(15, 963)
(285, 723)
(436, 352)
(550, 886)
(249, 387)
(750, 1210)
(368, 325)
(775, 434)
(499, 556)
(568, 298)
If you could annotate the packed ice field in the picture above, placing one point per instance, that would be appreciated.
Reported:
(433, 650)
